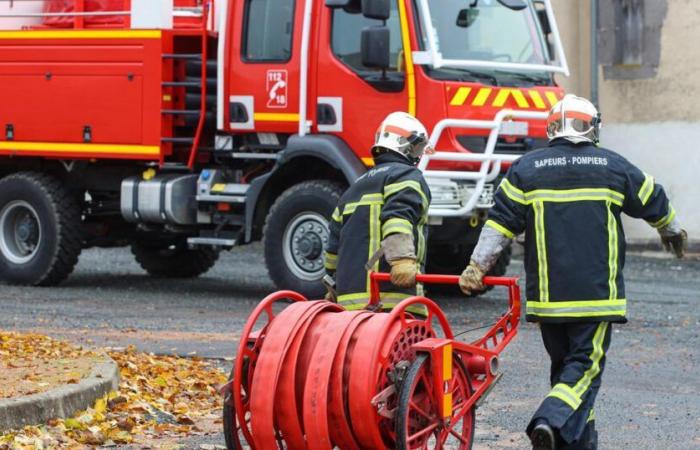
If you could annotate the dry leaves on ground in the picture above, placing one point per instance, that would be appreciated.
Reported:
(158, 397)
(33, 363)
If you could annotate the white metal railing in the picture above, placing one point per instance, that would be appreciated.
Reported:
(490, 166)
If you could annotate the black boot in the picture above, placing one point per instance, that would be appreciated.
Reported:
(542, 436)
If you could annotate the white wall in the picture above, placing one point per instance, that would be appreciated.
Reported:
(670, 152)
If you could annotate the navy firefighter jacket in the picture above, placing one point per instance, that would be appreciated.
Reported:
(568, 199)
(392, 197)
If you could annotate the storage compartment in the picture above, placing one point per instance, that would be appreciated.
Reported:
(162, 199)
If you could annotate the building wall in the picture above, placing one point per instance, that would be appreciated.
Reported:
(655, 121)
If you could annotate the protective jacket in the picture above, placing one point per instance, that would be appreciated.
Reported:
(568, 198)
(392, 197)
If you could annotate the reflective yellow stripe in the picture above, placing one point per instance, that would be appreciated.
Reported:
(500, 228)
(481, 97)
(336, 215)
(391, 189)
(397, 225)
(591, 415)
(512, 192)
(408, 55)
(666, 219)
(541, 251)
(330, 261)
(81, 34)
(647, 189)
(551, 97)
(517, 95)
(612, 252)
(359, 300)
(368, 161)
(64, 147)
(374, 238)
(276, 117)
(460, 96)
(537, 100)
(365, 200)
(597, 354)
(571, 195)
(565, 394)
(577, 308)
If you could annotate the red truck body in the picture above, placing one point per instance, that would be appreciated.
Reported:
(118, 101)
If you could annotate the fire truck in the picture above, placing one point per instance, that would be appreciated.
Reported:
(182, 128)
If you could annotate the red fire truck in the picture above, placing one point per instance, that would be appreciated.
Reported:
(184, 128)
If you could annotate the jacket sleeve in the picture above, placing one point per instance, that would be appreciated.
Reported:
(646, 199)
(508, 215)
(406, 202)
(330, 257)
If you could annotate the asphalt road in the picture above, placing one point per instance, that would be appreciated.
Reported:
(651, 387)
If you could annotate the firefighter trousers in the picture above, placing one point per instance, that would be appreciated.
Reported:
(577, 353)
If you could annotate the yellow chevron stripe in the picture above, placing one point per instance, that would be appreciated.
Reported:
(481, 97)
(552, 97)
(517, 95)
(460, 96)
(537, 100)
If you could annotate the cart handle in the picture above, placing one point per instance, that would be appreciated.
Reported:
(377, 277)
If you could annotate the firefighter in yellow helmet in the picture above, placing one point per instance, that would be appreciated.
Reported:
(387, 209)
(568, 198)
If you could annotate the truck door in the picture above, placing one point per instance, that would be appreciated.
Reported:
(353, 99)
(263, 76)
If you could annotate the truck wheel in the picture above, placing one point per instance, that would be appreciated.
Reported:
(295, 234)
(174, 259)
(40, 230)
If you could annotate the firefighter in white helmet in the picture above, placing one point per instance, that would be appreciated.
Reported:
(567, 198)
(387, 209)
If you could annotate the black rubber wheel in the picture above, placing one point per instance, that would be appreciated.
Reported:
(231, 435)
(40, 230)
(413, 395)
(295, 234)
(174, 259)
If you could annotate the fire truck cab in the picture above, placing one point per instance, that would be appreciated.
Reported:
(184, 127)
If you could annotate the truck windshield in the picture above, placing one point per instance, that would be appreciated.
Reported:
(487, 30)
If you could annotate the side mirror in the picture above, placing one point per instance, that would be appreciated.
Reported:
(466, 17)
(376, 9)
(374, 44)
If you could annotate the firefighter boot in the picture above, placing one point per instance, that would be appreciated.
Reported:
(542, 436)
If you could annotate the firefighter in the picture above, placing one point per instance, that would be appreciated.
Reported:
(387, 209)
(567, 198)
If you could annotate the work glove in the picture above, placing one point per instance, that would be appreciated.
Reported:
(675, 243)
(403, 272)
(471, 279)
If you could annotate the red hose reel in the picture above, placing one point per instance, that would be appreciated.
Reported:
(315, 376)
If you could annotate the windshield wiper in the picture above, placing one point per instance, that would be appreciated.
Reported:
(474, 74)
(525, 77)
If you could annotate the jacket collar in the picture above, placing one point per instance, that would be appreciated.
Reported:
(390, 157)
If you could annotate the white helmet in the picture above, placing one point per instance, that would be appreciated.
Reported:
(402, 133)
(574, 119)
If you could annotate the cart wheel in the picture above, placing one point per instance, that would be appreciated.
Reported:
(232, 429)
(417, 422)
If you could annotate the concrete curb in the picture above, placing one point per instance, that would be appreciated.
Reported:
(60, 402)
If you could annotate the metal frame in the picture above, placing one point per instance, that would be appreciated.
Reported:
(432, 56)
(490, 163)
(304, 125)
(220, 69)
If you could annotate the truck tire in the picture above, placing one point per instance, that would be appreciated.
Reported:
(174, 259)
(295, 234)
(40, 230)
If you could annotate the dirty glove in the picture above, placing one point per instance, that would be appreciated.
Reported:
(403, 272)
(471, 279)
(675, 243)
